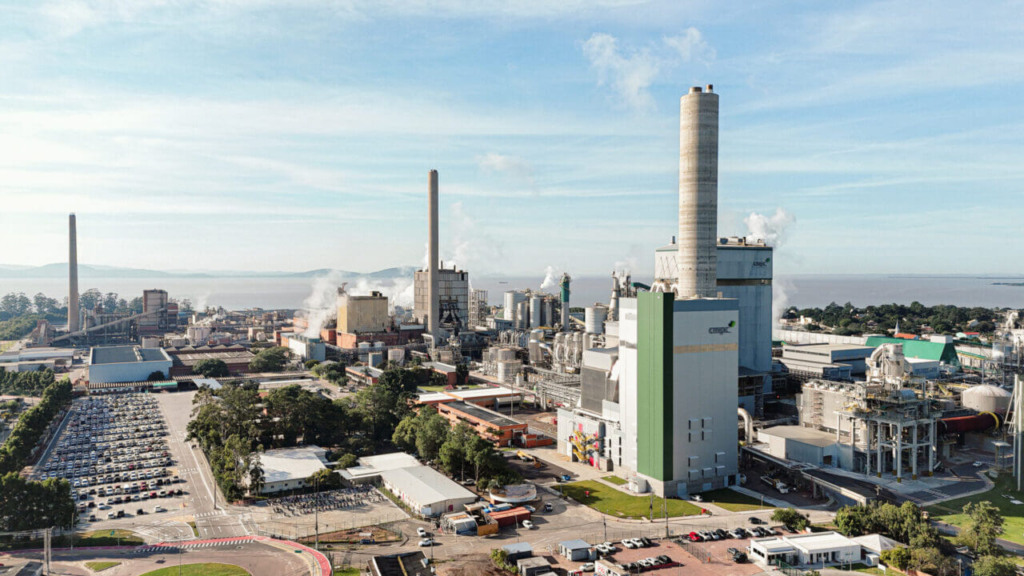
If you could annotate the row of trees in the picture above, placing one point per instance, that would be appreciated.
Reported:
(15, 304)
(25, 383)
(225, 424)
(28, 505)
(943, 319)
(27, 433)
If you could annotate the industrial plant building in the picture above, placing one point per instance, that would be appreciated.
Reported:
(290, 468)
(115, 364)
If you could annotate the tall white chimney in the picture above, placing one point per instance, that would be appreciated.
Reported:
(72, 275)
(698, 193)
(434, 315)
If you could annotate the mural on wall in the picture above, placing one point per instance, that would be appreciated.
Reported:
(586, 446)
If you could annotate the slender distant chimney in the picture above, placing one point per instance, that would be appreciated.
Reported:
(698, 194)
(72, 275)
(434, 315)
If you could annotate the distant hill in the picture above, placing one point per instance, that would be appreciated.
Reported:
(85, 271)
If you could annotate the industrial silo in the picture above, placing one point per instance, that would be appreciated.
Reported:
(987, 398)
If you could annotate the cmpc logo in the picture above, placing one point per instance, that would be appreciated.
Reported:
(722, 329)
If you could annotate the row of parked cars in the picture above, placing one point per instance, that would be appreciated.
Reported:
(652, 562)
(722, 534)
(113, 447)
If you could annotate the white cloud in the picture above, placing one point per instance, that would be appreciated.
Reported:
(630, 75)
(630, 72)
(691, 46)
(511, 165)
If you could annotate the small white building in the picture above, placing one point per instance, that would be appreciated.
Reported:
(288, 468)
(114, 364)
(425, 490)
(820, 548)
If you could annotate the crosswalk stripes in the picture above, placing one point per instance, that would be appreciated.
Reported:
(209, 514)
(172, 548)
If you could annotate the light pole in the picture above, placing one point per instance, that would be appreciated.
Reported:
(316, 511)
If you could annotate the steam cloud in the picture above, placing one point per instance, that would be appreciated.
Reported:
(772, 229)
(320, 304)
(549, 278)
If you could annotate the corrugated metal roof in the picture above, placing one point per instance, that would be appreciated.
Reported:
(920, 349)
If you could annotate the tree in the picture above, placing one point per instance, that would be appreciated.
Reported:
(325, 478)
(994, 566)
(272, 359)
(461, 374)
(853, 520)
(898, 558)
(155, 376)
(983, 526)
(347, 460)
(211, 368)
(309, 364)
(792, 519)
(333, 372)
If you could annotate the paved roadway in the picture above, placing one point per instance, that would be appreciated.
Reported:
(258, 558)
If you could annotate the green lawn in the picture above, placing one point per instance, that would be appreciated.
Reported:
(99, 566)
(614, 480)
(350, 571)
(951, 511)
(867, 569)
(733, 501)
(105, 538)
(617, 503)
(208, 569)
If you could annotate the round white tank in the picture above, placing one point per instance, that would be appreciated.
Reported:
(987, 398)
(535, 312)
(593, 319)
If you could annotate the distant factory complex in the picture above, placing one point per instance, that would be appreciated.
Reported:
(678, 385)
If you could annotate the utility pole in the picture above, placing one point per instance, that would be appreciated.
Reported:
(604, 522)
(316, 511)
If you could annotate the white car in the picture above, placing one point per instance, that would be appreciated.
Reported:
(527, 524)
(588, 567)
(159, 509)
(421, 532)
(426, 542)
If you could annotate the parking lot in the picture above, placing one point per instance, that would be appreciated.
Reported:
(113, 449)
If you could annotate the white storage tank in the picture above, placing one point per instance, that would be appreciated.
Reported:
(987, 398)
(593, 319)
(535, 312)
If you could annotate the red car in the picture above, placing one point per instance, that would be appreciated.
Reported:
(694, 537)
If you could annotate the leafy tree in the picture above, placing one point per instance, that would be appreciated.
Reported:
(333, 372)
(309, 364)
(211, 368)
(994, 566)
(347, 460)
(792, 519)
(984, 525)
(452, 454)
(326, 479)
(272, 359)
(898, 558)
(155, 376)
(461, 374)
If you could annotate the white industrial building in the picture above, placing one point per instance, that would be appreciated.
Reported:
(817, 549)
(808, 445)
(289, 468)
(426, 491)
(371, 467)
(115, 364)
(307, 347)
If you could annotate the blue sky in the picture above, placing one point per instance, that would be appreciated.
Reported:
(292, 135)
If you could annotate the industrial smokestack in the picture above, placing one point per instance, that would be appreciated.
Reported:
(72, 275)
(698, 193)
(434, 314)
(564, 285)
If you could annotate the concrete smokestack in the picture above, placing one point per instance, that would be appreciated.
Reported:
(433, 265)
(698, 193)
(72, 274)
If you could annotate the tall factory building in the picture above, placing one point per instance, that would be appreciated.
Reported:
(660, 410)
(155, 305)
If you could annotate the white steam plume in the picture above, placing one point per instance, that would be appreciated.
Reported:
(781, 290)
(772, 229)
(320, 305)
(550, 278)
(399, 290)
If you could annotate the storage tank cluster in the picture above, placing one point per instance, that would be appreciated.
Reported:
(527, 310)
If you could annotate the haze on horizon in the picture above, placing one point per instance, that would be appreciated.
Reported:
(293, 136)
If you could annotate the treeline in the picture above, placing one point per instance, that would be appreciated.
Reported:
(849, 320)
(233, 425)
(25, 383)
(28, 505)
(15, 452)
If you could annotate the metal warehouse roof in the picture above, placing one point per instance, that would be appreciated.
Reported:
(126, 354)
(425, 486)
(920, 349)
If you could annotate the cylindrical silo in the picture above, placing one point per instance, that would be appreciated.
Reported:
(593, 319)
(698, 193)
(535, 312)
(549, 312)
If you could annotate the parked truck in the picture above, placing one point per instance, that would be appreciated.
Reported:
(776, 483)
